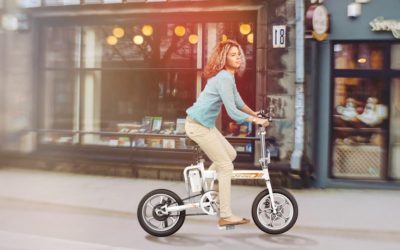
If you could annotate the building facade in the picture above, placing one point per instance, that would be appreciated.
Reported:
(109, 81)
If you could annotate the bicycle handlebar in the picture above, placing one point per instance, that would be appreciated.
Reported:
(264, 115)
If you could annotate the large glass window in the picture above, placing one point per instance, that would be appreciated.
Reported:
(132, 78)
(364, 118)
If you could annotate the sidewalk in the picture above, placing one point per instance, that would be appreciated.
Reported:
(337, 209)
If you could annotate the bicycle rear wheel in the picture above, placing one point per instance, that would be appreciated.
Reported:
(152, 215)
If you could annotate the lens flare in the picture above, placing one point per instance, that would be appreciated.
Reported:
(245, 28)
(147, 30)
(118, 32)
(138, 40)
(180, 30)
(250, 38)
(112, 40)
(193, 39)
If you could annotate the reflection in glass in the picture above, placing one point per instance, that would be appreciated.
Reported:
(395, 129)
(395, 55)
(59, 99)
(59, 107)
(360, 113)
(115, 97)
(62, 47)
(358, 56)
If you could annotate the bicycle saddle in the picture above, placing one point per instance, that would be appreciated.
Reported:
(190, 142)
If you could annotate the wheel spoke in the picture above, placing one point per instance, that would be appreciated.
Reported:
(207, 203)
(212, 210)
(270, 222)
(173, 219)
(161, 199)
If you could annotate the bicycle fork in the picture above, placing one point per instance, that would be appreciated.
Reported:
(264, 161)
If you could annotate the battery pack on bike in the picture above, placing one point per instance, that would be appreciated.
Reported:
(195, 180)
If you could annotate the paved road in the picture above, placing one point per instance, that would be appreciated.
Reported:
(30, 226)
(46, 210)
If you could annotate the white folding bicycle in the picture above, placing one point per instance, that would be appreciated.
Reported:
(161, 212)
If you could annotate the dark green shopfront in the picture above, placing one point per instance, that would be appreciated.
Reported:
(355, 84)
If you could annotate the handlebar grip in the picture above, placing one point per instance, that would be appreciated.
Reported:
(264, 115)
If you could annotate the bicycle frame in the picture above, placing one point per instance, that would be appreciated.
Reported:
(211, 176)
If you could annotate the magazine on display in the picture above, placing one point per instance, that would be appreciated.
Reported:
(157, 122)
(180, 126)
(146, 124)
(168, 143)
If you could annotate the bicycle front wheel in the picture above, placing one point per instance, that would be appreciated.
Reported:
(286, 211)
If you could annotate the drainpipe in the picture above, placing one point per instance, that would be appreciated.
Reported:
(295, 162)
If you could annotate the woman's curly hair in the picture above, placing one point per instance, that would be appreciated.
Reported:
(217, 59)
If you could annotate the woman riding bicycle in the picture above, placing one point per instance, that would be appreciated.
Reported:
(227, 59)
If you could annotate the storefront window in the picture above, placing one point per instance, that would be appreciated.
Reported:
(358, 56)
(134, 79)
(365, 112)
(359, 134)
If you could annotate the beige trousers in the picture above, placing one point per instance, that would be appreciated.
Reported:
(221, 153)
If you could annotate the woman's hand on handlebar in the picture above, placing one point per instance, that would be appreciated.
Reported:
(261, 122)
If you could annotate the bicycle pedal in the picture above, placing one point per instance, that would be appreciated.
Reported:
(227, 227)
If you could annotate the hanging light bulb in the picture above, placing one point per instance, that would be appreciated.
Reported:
(244, 28)
(193, 39)
(224, 37)
(250, 38)
(112, 40)
(138, 40)
(147, 30)
(118, 32)
(180, 30)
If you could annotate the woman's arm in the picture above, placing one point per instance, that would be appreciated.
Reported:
(253, 117)
(248, 110)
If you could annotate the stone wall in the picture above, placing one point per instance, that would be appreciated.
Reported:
(280, 77)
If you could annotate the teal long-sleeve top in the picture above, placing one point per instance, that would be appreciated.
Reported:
(220, 89)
